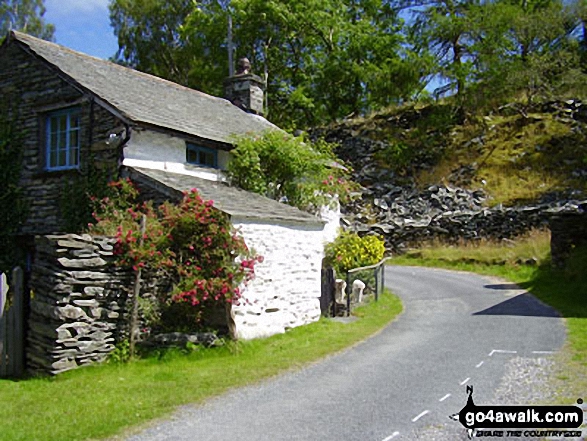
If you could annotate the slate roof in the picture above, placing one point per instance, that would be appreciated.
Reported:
(143, 98)
(231, 200)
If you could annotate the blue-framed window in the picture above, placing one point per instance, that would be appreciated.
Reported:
(63, 139)
(202, 156)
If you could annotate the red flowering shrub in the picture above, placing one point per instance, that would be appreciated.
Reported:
(192, 242)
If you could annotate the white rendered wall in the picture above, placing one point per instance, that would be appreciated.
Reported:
(154, 150)
(286, 290)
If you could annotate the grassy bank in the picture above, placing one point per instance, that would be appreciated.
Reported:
(101, 401)
(565, 290)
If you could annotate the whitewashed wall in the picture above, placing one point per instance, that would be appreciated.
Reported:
(154, 150)
(286, 290)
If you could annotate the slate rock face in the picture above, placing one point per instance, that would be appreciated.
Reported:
(406, 217)
(391, 205)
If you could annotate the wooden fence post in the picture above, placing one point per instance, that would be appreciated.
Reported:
(17, 310)
(3, 295)
(134, 318)
(12, 326)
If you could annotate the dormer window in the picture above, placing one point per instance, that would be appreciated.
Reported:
(202, 156)
(63, 139)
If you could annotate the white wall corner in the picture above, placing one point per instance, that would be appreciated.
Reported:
(287, 286)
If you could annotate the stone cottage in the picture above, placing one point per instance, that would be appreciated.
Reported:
(74, 108)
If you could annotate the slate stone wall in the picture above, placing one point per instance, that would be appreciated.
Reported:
(568, 230)
(78, 302)
(34, 90)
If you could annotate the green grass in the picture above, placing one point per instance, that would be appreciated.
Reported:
(565, 290)
(101, 401)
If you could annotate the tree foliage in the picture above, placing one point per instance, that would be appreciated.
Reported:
(326, 59)
(25, 16)
(322, 59)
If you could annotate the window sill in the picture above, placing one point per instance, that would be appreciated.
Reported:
(45, 173)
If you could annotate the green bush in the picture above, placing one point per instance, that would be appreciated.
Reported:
(349, 251)
(290, 169)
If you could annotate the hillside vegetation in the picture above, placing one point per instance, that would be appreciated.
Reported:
(515, 154)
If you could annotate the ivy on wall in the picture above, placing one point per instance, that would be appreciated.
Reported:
(13, 208)
(76, 197)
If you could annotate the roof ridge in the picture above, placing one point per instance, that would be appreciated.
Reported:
(22, 37)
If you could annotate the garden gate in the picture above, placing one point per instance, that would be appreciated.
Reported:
(12, 322)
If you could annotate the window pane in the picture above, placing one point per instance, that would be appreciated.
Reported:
(62, 158)
(207, 158)
(74, 121)
(74, 157)
(74, 139)
(62, 123)
(53, 142)
(62, 140)
(192, 156)
(53, 125)
(53, 159)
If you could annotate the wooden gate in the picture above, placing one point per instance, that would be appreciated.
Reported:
(327, 297)
(12, 325)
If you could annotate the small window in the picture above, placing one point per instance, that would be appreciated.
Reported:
(63, 139)
(202, 156)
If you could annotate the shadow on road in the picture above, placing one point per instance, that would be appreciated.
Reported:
(521, 305)
(504, 286)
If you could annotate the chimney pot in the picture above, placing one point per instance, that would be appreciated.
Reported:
(245, 89)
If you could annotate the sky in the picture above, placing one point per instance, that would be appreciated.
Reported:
(82, 25)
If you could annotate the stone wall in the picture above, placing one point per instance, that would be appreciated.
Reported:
(407, 217)
(78, 302)
(36, 89)
(568, 230)
(286, 290)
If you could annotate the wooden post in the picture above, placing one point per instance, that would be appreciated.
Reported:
(376, 274)
(134, 318)
(348, 294)
(16, 356)
(3, 295)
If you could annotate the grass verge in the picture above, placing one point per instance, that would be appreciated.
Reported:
(101, 401)
(565, 290)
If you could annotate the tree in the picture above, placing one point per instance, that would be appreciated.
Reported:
(321, 59)
(525, 46)
(25, 16)
(443, 29)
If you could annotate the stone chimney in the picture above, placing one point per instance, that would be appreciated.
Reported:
(245, 89)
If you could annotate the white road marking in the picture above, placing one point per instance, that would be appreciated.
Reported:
(420, 416)
(501, 351)
(445, 397)
(392, 436)
(543, 352)
(465, 380)
(480, 364)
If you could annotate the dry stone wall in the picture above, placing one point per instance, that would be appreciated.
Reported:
(78, 302)
(569, 229)
(406, 217)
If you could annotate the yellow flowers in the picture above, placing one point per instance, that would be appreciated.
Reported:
(349, 250)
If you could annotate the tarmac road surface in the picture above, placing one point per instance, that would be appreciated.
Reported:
(457, 329)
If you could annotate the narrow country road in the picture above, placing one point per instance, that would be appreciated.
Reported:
(457, 329)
